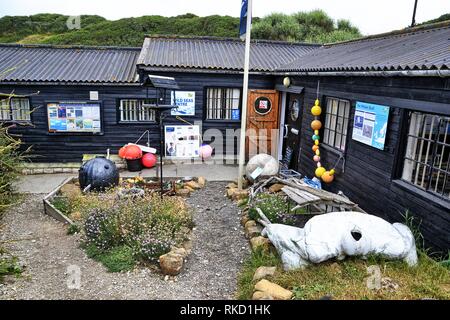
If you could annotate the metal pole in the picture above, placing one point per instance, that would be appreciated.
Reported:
(413, 23)
(161, 146)
(245, 95)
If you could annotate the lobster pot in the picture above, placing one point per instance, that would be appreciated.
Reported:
(100, 173)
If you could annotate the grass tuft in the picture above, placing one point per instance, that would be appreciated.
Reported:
(117, 259)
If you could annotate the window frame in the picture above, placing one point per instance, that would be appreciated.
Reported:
(345, 141)
(11, 114)
(430, 168)
(119, 111)
(205, 109)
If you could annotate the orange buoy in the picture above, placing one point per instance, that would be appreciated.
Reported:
(315, 148)
(316, 125)
(328, 176)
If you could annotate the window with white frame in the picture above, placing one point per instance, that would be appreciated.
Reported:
(426, 162)
(223, 103)
(337, 114)
(15, 109)
(132, 110)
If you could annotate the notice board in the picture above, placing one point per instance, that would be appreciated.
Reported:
(72, 117)
(182, 141)
(370, 124)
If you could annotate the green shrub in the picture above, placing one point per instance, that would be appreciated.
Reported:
(62, 204)
(10, 158)
(148, 226)
(272, 205)
(117, 259)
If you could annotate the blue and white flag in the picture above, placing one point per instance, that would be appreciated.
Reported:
(243, 22)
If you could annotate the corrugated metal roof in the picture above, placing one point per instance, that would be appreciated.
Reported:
(40, 63)
(424, 48)
(217, 53)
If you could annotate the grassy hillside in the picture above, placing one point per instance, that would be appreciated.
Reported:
(95, 30)
(315, 26)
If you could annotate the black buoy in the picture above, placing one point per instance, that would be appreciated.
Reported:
(98, 173)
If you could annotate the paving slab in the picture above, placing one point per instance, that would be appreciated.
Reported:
(45, 183)
(40, 183)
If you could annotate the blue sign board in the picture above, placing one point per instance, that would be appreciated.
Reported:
(370, 124)
(235, 114)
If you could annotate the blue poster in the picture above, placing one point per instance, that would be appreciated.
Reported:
(370, 124)
(235, 114)
(58, 124)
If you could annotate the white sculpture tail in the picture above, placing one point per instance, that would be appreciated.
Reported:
(264, 220)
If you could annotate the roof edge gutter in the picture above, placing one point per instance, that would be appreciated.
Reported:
(396, 73)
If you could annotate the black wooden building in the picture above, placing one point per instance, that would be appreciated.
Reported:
(405, 72)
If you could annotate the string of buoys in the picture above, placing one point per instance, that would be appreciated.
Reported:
(316, 125)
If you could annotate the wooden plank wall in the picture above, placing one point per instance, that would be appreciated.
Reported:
(69, 148)
(370, 176)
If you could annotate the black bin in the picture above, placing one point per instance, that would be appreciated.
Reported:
(134, 165)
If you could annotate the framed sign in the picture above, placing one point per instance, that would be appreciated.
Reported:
(74, 117)
(185, 101)
(370, 124)
(182, 141)
(263, 105)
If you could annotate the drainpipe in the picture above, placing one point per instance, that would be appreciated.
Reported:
(402, 73)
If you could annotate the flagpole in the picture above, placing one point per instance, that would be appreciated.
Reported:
(244, 96)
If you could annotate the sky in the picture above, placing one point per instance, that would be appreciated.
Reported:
(371, 17)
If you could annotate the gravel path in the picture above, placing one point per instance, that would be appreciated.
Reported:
(219, 248)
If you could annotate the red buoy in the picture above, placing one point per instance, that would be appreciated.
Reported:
(149, 160)
(132, 152)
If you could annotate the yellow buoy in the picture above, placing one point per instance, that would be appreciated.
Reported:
(316, 142)
(320, 171)
(317, 152)
(316, 110)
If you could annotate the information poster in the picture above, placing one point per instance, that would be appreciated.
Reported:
(370, 124)
(74, 117)
(182, 141)
(185, 101)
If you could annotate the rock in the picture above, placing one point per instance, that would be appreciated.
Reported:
(232, 185)
(260, 242)
(181, 251)
(187, 245)
(273, 290)
(201, 181)
(194, 185)
(263, 272)
(183, 192)
(230, 192)
(388, 284)
(171, 263)
(259, 295)
(253, 231)
(267, 163)
(250, 223)
(242, 202)
(245, 218)
(276, 187)
(239, 194)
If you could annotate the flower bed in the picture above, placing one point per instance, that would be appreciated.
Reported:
(120, 227)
